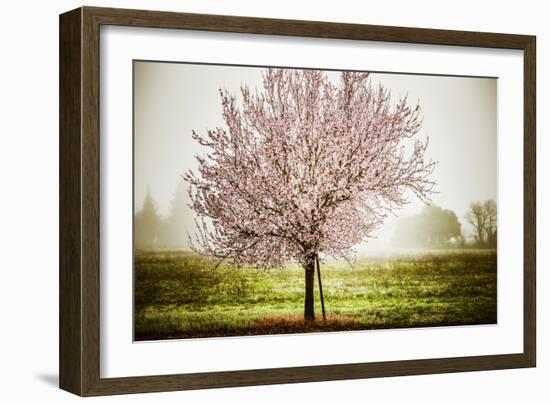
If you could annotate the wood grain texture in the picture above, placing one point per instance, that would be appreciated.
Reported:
(70, 314)
(530, 202)
(90, 202)
(316, 29)
(80, 200)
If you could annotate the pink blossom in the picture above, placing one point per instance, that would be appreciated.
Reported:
(305, 167)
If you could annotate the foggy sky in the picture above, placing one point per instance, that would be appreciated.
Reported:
(459, 117)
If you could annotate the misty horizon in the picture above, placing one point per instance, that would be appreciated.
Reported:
(459, 117)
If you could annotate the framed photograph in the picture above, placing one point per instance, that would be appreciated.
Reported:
(248, 201)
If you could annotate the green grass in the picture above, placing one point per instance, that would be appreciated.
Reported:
(178, 295)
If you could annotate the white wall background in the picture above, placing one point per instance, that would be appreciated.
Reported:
(29, 200)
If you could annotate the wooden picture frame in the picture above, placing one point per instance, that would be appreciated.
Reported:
(79, 348)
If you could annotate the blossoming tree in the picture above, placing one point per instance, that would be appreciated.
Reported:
(305, 166)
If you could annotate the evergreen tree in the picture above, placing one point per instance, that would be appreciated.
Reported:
(147, 224)
(179, 222)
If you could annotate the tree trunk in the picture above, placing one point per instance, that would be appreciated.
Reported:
(309, 313)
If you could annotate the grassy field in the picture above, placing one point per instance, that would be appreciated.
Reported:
(178, 295)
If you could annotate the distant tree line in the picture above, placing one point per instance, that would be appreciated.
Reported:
(433, 227)
(151, 231)
(483, 217)
(436, 227)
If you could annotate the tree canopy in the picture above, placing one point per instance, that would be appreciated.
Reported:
(305, 166)
(433, 227)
